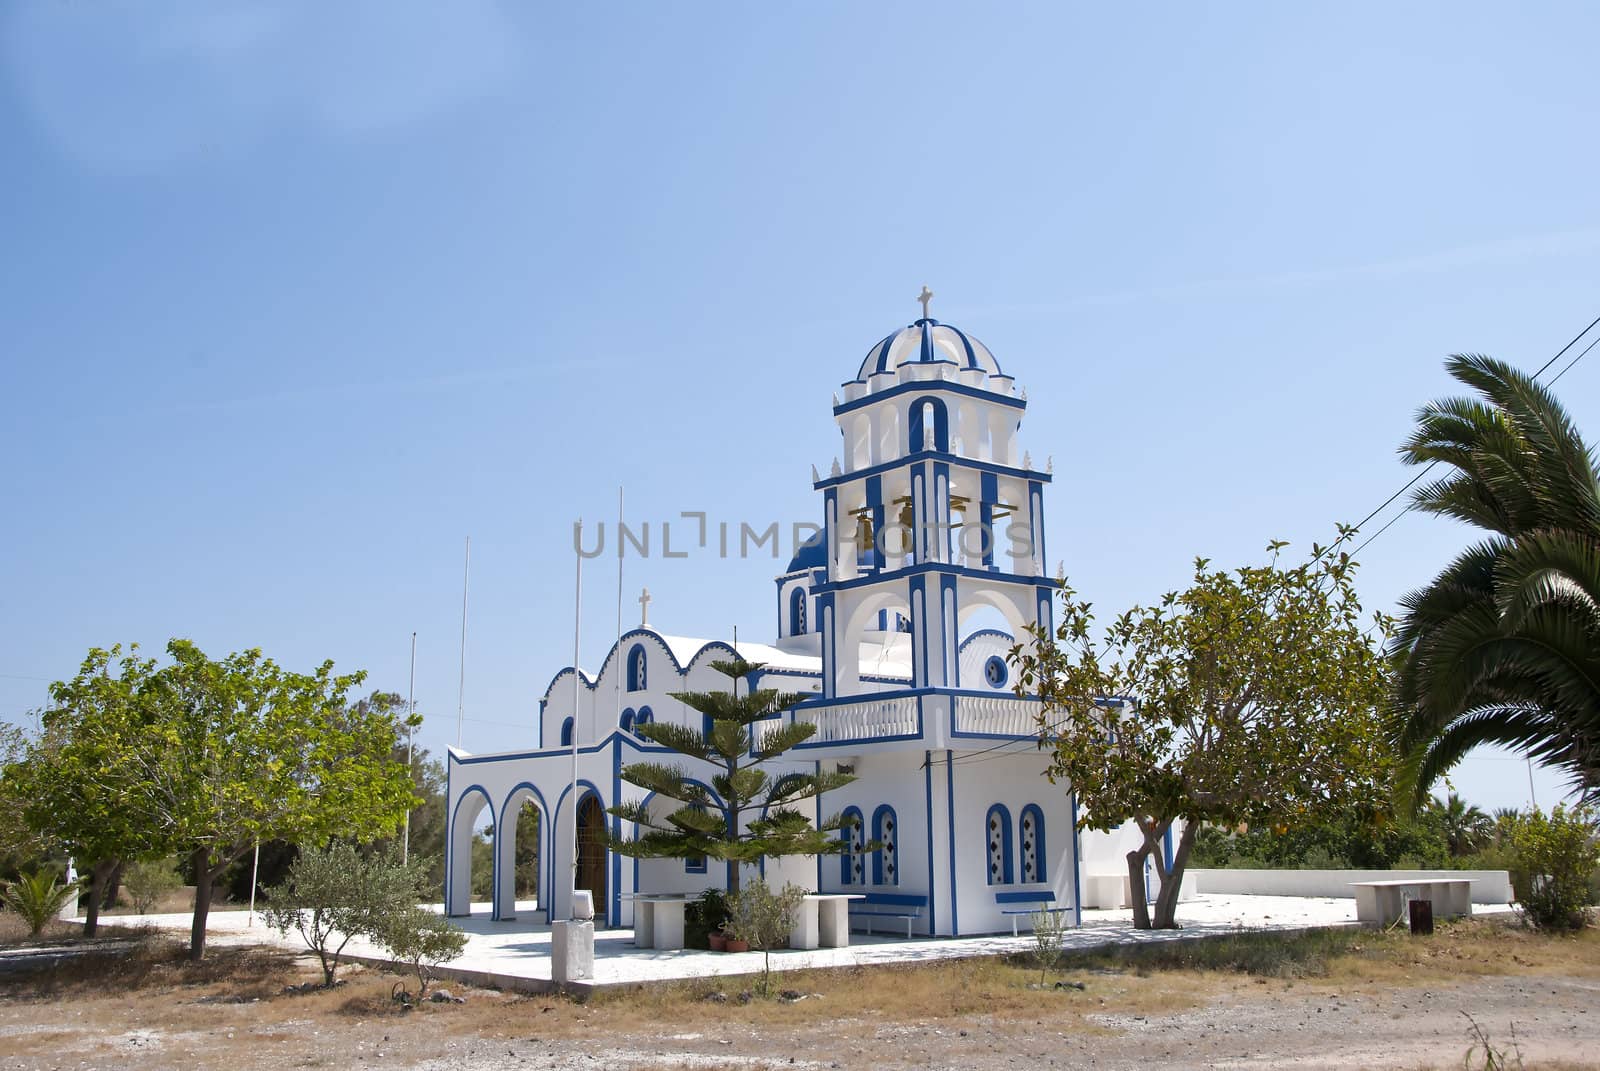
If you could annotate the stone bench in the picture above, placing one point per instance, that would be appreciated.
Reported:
(1384, 902)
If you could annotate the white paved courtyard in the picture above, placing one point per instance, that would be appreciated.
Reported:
(516, 954)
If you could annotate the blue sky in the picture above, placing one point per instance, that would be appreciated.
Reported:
(296, 298)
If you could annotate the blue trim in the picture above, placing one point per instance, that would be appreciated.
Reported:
(450, 846)
(498, 911)
(950, 823)
(995, 671)
(1166, 847)
(846, 858)
(916, 428)
(878, 875)
(625, 723)
(918, 455)
(566, 790)
(1077, 865)
(638, 676)
(927, 787)
(1041, 861)
(1045, 586)
(568, 727)
(645, 717)
(1007, 870)
(888, 899)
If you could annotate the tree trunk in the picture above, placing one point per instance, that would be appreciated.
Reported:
(202, 903)
(99, 876)
(1172, 880)
(1141, 909)
(113, 885)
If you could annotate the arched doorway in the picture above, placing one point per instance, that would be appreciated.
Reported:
(592, 851)
(519, 853)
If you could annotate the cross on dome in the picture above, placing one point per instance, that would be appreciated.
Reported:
(644, 607)
(925, 297)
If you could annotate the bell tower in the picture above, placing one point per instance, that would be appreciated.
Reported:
(930, 514)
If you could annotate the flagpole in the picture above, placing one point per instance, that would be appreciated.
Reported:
(617, 650)
(461, 686)
(411, 732)
(577, 629)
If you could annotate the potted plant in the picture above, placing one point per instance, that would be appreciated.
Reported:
(717, 941)
(733, 938)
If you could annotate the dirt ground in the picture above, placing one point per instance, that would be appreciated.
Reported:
(1336, 1000)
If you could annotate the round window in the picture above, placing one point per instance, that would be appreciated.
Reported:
(995, 671)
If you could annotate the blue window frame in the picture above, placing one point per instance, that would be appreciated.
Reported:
(852, 864)
(637, 679)
(644, 717)
(626, 722)
(997, 843)
(996, 672)
(1035, 864)
(566, 733)
(886, 859)
(797, 611)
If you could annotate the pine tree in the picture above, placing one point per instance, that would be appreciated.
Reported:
(738, 747)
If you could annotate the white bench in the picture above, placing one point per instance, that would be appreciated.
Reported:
(822, 920)
(658, 921)
(1384, 902)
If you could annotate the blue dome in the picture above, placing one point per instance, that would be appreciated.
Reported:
(928, 341)
(810, 556)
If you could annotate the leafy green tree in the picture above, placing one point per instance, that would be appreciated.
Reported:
(37, 899)
(150, 880)
(737, 748)
(428, 816)
(241, 750)
(22, 845)
(337, 893)
(422, 941)
(1503, 647)
(1253, 698)
(1559, 853)
(81, 783)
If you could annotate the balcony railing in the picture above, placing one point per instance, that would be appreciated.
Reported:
(864, 719)
(996, 715)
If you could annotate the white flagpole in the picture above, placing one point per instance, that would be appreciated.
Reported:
(461, 687)
(617, 715)
(255, 868)
(411, 732)
(577, 628)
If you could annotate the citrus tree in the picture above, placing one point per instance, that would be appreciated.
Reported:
(1252, 696)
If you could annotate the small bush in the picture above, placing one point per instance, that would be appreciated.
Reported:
(1558, 853)
(422, 941)
(333, 894)
(36, 898)
(148, 881)
(764, 918)
(1049, 939)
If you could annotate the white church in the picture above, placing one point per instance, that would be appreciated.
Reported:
(932, 521)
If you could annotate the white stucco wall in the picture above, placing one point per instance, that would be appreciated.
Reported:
(1488, 886)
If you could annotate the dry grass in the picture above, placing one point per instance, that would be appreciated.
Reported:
(233, 1007)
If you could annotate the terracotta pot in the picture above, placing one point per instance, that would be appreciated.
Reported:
(738, 946)
(717, 941)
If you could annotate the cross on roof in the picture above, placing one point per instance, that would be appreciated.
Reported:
(925, 297)
(644, 607)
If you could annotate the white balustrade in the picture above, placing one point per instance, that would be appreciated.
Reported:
(997, 715)
(862, 721)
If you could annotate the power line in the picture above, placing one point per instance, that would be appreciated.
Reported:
(1430, 466)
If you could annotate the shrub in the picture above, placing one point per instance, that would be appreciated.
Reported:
(764, 918)
(1049, 939)
(37, 898)
(148, 881)
(333, 894)
(422, 941)
(705, 915)
(1559, 854)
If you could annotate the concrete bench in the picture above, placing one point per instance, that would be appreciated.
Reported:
(1384, 902)
(822, 920)
(658, 920)
(907, 906)
(1027, 903)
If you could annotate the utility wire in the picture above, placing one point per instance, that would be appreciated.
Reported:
(1429, 468)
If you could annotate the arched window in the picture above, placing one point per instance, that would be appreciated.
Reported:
(627, 720)
(852, 864)
(1030, 842)
(797, 611)
(644, 717)
(886, 860)
(566, 733)
(929, 426)
(997, 830)
(636, 675)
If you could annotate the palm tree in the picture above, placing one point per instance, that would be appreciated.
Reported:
(1465, 827)
(1504, 646)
